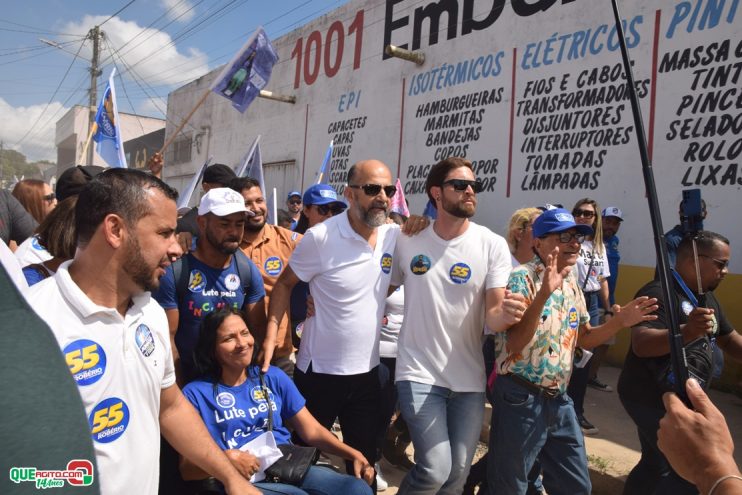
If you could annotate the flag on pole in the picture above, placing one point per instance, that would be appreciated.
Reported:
(107, 128)
(398, 204)
(185, 198)
(255, 167)
(252, 164)
(430, 211)
(323, 174)
(248, 72)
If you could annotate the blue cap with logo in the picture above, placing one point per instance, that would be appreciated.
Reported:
(321, 194)
(558, 220)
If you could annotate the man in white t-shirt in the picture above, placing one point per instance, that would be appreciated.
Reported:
(454, 274)
(347, 261)
(115, 336)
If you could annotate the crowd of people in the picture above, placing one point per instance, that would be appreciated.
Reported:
(203, 346)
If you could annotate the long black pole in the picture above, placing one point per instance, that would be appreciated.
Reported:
(677, 352)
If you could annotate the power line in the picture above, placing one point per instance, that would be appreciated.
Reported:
(116, 13)
(53, 95)
(155, 31)
(35, 30)
(136, 78)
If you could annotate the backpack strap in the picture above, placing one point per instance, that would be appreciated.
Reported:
(181, 274)
(244, 270)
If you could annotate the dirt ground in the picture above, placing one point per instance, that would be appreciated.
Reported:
(615, 449)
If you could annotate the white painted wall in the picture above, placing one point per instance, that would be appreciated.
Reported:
(550, 53)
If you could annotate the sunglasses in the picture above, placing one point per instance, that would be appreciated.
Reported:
(333, 209)
(720, 264)
(583, 213)
(565, 237)
(375, 189)
(294, 201)
(49, 197)
(460, 185)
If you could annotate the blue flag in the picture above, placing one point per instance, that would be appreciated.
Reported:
(248, 72)
(107, 135)
(323, 174)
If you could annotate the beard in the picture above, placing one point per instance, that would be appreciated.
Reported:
(459, 209)
(256, 227)
(137, 268)
(372, 216)
(222, 246)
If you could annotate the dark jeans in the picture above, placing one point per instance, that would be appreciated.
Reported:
(578, 381)
(653, 474)
(526, 426)
(171, 482)
(388, 404)
(352, 399)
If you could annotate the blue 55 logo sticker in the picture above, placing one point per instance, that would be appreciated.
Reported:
(273, 266)
(573, 320)
(386, 263)
(86, 360)
(108, 420)
(460, 273)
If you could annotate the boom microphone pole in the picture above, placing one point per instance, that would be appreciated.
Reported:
(679, 365)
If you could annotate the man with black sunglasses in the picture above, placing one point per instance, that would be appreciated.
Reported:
(293, 205)
(454, 273)
(532, 414)
(703, 325)
(347, 261)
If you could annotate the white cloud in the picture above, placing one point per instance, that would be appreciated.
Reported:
(180, 10)
(149, 51)
(152, 107)
(16, 121)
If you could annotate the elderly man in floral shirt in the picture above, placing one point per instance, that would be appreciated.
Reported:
(532, 415)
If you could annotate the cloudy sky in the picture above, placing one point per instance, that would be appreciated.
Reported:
(157, 46)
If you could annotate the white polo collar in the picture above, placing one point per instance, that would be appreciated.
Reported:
(81, 303)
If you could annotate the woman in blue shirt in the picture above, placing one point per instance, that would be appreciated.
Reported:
(230, 399)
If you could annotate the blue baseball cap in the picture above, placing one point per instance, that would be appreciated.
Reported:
(292, 194)
(321, 194)
(557, 220)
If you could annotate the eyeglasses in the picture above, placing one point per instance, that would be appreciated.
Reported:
(332, 208)
(460, 185)
(49, 197)
(294, 201)
(375, 189)
(565, 237)
(583, 213)
(720, 264)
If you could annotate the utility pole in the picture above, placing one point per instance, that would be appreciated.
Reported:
(95, 35)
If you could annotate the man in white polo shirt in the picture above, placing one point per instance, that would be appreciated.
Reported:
(115, 337)
(347, 261)
(454, 274)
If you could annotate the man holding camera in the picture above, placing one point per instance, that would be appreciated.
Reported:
(644, 376)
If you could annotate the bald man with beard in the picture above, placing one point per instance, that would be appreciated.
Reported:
(347, 262)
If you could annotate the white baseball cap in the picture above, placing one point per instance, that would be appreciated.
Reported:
(613, 211)
(222, 201)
